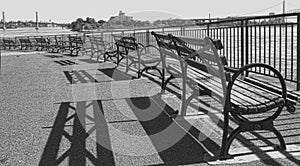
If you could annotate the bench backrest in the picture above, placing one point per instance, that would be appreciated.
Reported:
(198, 53)
(97, 42)
(126, 44)
(75, 40)
(207, 55)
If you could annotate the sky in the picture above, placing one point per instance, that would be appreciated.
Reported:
(66, 11)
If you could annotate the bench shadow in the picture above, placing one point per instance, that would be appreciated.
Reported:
(71, 127)
(65, 62)
(80, 76)
(116, 74)
(54, 56)
(175, 145)
(91, 61)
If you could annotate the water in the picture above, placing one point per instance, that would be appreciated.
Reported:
(31, 31)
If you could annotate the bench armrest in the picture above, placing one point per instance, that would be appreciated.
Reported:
(231, 70)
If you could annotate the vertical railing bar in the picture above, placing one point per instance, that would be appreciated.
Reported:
(220, 36)
(251, 44)
(292, 51)
(234, 41)
(265, 49)
(270, 40)
(242, 44)
(147, 37)
(207, 30)
(259, 44)
(285, 56)
(227, 45)
(246, 43)
(298, 52)
(280, 33)
(255, 43)
(224, 43)
(275, 35)
(230, 40)
(214, 33)
(238, 42)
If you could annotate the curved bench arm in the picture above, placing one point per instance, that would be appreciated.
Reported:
(246, 68)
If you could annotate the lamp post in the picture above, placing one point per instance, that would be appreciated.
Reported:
(37, 20)
(3, 19)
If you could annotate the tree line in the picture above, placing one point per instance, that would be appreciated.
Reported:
(91, 23)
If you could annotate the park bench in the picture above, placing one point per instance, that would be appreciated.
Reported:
(53, 46)
(26, 43)
(42, 43)
(99, 47)
(9, 43)
(144, 57)
(75, 44)
(198, 64)
(61, 43)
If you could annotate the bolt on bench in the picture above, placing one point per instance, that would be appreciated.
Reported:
(201, 68)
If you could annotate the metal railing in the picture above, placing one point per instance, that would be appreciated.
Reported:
(271, 40)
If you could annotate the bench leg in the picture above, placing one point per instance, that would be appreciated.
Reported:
(151, 68)
(164, 86)
(280, 138)
(162, 80)
(230, 139)
(224, 148)
(246, 126)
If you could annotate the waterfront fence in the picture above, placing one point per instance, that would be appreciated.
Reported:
(271, 40)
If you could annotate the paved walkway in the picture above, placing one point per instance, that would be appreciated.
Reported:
(62, 110)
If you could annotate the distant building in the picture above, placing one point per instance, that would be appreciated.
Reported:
(120, 18)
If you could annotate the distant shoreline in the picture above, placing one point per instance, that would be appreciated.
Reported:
(31, 31)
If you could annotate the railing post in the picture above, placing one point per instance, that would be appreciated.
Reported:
(246, 43)
(182, 31)
(298, 52)
(207, 33)
(147, 37)
(242, 44)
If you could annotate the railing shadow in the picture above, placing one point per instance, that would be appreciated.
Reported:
(73, 115)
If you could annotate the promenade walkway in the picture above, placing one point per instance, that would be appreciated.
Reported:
(62, 110)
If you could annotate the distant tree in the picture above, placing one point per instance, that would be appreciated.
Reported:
(80, 20)
(101, 22)
(90, 20)
(88, 26)
(77, 25)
